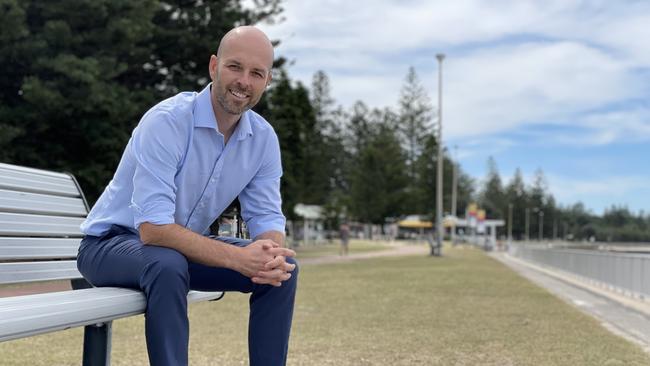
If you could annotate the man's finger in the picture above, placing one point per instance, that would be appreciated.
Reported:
(267, 245)
(286, 252)
(284, 266)
(263, 281)
(277, 261)
(276, 275)
(288, 267)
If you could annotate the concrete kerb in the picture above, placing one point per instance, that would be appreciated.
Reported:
(628, 300)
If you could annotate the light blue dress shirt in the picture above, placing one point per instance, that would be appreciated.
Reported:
(177, 169)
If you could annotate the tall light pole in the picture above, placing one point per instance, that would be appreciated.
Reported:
(509, 224)
(541, 225)
(527, 223)
(440, 57)
(454, 193)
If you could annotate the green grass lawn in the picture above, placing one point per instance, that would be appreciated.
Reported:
(462, 309)
(355, 246)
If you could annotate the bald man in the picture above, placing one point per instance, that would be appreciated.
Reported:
(189, 157)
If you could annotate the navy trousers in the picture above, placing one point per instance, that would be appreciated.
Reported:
(120, 259)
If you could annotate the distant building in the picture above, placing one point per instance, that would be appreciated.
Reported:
(312, 228)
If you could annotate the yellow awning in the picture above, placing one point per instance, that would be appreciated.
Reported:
(415, 224)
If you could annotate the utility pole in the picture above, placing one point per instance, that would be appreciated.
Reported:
(454, 193)
(527, 223)
(509, 224)
(541, 225)
(439, 230)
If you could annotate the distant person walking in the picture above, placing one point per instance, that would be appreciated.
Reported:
(344, 232)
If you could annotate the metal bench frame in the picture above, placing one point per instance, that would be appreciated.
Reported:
(40, 214)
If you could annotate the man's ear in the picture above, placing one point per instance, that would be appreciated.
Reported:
(212, 67)
(268, 80)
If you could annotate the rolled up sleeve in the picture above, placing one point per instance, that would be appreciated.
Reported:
(157, 149)
(261, 201)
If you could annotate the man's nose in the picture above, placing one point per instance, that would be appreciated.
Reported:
(244, 79)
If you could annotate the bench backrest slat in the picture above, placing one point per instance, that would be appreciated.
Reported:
(39, 225)
(12, 248)
(25, 202)
(40, 214)
(35, 180)
(38, 271)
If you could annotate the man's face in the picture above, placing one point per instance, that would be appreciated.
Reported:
(240, 76)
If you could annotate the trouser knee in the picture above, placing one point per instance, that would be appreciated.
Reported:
(167, 268)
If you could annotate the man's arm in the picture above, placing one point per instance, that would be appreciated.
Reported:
(251, 261)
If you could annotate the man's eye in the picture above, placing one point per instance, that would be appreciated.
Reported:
(233, 67)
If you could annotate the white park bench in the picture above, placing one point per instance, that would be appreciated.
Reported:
(40, 213)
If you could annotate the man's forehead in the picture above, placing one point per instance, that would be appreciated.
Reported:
(248, 54)
(247, 60)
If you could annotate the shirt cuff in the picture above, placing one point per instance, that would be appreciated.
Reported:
(261, 224)
(157, 213)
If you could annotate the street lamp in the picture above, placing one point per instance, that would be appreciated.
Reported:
(509, 224)
(536, 211)
(454, 193)
(527, 224)
(541, 225)
(440, 57)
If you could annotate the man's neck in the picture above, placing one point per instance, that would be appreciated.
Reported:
(226, 122)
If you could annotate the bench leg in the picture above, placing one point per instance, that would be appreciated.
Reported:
(97, 344)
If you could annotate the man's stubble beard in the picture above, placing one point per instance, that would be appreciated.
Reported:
(231, 108)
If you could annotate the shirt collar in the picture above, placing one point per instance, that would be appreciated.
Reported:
(244, 127)
(204, 115)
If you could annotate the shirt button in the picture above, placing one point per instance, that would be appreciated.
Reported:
(212, 180)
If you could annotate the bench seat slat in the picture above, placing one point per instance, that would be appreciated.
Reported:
(12, 201)
(21, 272)
(39, 225)
(35, 180)
(24, 316)
(38, 248)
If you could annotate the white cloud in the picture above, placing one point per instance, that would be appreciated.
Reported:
(499, 88)
(513, 68)
(600, 193)
(510, 63)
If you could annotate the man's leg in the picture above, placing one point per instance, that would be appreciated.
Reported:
(271, 308)
(121, 259)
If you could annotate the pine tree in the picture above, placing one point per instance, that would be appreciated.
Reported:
(516, 195)
(332, 154)
(415, 128)
(68, 101)
(79, 74)
(492, 197)
(379, 174)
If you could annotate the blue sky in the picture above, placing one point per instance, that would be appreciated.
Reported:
(559, 85)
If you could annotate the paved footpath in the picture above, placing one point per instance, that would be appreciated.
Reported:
(622, 315)
(398, 250)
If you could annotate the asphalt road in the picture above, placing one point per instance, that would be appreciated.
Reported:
(624, 316)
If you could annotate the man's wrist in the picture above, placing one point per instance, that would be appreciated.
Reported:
(274, 235)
